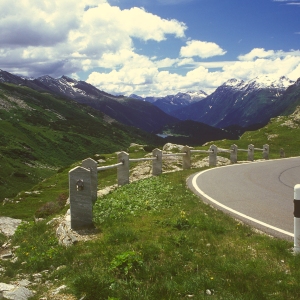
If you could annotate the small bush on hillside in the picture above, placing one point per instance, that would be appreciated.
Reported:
(52, 207)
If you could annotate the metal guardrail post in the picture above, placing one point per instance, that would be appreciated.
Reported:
(233, 153)
(123, 170)
(186, 159)
(92, 165)
(81, 204)
(157, 163)
(250, 152)
(297, 218)
(213, 155)
(266, 151)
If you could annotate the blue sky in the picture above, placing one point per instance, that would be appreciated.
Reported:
(151, 47)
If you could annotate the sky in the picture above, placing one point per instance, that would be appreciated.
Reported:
(151, 47)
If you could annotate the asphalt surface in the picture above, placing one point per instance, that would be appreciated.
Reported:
(258, 193)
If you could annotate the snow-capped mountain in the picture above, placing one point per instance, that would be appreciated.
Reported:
(260, 82)
(197, 95)
(238, 102)
(173, 102)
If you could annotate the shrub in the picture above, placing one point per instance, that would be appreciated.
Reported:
(51, 208)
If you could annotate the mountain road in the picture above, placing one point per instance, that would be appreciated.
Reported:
(260, 193)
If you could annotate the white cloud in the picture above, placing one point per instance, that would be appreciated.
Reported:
(201, 49)
(74, 35)
(277, 63)
(142, 76)
(64, 37)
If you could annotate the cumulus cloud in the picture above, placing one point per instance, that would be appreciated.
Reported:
(143, 76)
(201, 49)
(77, 35)
(259, 61)
(57, 37)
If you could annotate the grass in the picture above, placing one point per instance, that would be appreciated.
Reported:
(156, 240)
(163, 244)
(36, 142)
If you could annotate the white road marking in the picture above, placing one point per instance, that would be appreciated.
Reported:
(194, 183)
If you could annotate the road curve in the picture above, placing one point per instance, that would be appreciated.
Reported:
(258, 193)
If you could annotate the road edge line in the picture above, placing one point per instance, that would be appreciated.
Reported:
(195, 177)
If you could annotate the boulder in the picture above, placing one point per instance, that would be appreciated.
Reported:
(8, 225)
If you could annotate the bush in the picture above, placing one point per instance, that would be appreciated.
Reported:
(51, 208)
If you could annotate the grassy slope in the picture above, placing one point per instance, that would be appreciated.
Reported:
(157, 241)
(50, 133)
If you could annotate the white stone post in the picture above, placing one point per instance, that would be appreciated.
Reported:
(123, 170)
(157, 163)
(297, 218)
(92, 165)
(233, 153)
(266, 151)
(81, 204)
(213, 155)
(186, 159)
(250, 152)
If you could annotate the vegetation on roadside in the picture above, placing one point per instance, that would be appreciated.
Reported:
(171, 246)
(156, 239)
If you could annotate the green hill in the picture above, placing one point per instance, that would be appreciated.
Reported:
(41, 133)
(154, 239)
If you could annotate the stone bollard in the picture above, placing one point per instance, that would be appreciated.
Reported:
(92, 165)
(233, 154)
(266, 151)
(81, 204)
(186, 159)
(213, 155)
(250, 152)
(297, 218)
(157, 163)
(123, 170)
(282, 153)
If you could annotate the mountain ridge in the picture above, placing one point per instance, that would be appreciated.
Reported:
(238, 102)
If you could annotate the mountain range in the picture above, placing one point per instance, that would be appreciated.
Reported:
(128, 111)
(172, 103)
(236, 103)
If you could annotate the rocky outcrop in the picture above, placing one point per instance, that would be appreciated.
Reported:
(17, 291)
(8, 225)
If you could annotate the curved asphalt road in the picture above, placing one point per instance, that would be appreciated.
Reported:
(259, 193)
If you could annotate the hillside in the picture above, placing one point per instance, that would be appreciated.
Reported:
(41, 133)
(128, 111)
(148, 242)
(195, 133)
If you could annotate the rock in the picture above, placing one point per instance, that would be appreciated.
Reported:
(170, 146)
(24, 282)
(8, 226)
(5, 287)
(106, 190)
(221, 161)
(135, 148)
(8, 255)
(18, 293)
(59, 289)
(208, 292)
(65, 234)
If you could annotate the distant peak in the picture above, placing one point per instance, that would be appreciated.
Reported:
(69, 79)
(271, 81)
(45, 77)
(235, 83)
